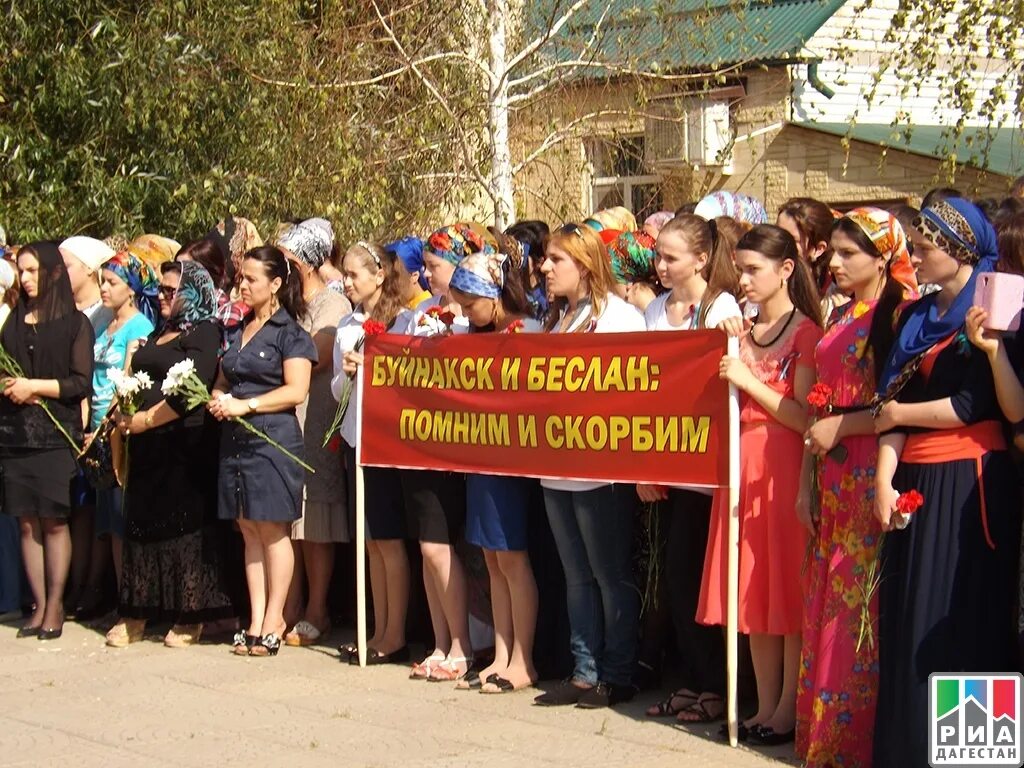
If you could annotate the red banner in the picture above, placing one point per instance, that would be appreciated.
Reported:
(636, 407)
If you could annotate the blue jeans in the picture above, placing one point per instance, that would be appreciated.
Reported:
(593, 531)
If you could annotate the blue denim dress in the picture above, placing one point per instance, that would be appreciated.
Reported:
(255, 480)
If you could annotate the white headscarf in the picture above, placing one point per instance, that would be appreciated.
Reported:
(88, 250)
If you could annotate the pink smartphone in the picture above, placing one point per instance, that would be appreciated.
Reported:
(1001, 295)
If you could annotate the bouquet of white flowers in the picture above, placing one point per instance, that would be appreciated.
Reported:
(129, 389)
(183, 381)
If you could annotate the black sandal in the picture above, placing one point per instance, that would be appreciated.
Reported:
(243, 640)
(665, 708)
(270, 644)
(699, 709)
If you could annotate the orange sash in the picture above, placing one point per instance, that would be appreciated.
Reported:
(970, 442)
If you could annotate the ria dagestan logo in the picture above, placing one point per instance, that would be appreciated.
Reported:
(975, 719)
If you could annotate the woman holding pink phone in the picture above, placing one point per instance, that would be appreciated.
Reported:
(948, 572)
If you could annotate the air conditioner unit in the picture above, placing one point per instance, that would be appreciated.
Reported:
(688, 130)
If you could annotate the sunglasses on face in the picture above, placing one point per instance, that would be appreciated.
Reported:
(167, 291)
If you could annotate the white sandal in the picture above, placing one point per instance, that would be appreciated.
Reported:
(425, 668)
(447, 671)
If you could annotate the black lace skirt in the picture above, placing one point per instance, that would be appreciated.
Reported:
(186, 580)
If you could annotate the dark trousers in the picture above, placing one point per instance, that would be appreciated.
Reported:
(701, 648)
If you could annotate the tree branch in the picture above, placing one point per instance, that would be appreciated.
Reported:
(551, 31)
(432, 89)
(371, 80)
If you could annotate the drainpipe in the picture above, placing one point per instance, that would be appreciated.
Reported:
(816, 82)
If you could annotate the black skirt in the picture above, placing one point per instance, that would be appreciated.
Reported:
(946, 597)
(37, 483)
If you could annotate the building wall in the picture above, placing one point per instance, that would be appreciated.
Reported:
(771, 160)
(852, 45)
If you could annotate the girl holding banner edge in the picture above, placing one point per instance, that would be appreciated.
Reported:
(592, 522)
(376, 283)
(774, 373)
(695, 263)
(491, 290)
(436, 500)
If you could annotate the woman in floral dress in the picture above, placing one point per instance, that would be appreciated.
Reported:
(839, 667)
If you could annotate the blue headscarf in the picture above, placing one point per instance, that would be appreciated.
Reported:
(958, 227)
(141, 278)
(410, 251)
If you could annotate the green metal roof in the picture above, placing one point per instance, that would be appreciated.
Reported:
(685, 34)
(1000, 150)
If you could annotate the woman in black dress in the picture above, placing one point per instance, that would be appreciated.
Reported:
(264, 375)
(52, 342)
(948, 580)
(173, 540)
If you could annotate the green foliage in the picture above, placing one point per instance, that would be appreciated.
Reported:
(158, 116)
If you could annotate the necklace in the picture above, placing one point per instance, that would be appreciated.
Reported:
(778, 336)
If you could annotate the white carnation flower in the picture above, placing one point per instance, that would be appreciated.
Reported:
(145, 382)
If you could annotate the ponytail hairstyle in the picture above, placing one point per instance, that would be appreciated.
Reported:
(275, 264)
(393, 290)
(514, 263)
(776, 244)
(814, 222)
(585, 247)
(703, 236)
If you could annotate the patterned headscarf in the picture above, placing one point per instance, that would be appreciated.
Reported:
(453, 243)
(410, 251)
(154, 249)
(887, 235)
(311, 241)
(654, 222)
(961, 229)
(482, 274)
(141, 278)
(632, 255)
(241, 235)
(195, 300)
(739, 206)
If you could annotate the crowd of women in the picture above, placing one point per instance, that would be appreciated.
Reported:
(846, 607)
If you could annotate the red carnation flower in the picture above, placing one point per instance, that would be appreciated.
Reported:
(374, 328)
(434, 310)
(820, 396)
(516, 326)
(447, 317)
(909, 502)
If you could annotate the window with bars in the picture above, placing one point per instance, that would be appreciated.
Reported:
(621, 176)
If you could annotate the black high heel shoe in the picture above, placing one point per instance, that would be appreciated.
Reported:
(28, 632)
(50, 634)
